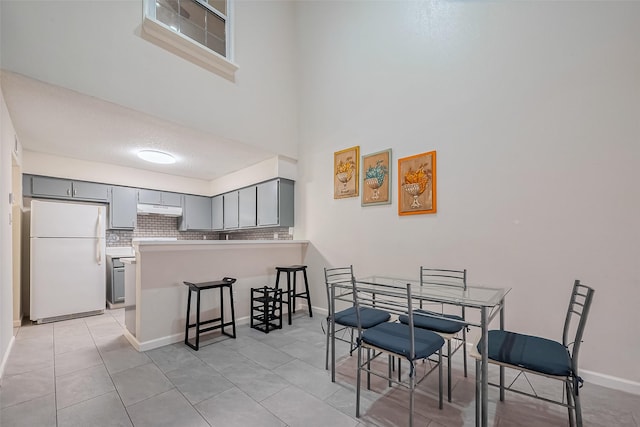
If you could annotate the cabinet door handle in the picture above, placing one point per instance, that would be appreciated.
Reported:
(68, 192)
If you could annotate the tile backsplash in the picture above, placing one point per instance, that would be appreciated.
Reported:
(164, 226)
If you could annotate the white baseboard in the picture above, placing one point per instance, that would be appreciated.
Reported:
(5, 358)
(597, 378)
(166, 340)
(609, 381)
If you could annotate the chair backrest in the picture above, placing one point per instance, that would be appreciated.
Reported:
(577, 314)
(438, 276)
(336, 275)
(400, 303)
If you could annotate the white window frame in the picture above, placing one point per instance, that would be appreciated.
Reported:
(164, 36)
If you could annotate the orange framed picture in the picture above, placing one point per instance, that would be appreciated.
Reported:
(417, 184)
(346, 164)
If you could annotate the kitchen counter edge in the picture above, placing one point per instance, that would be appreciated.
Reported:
(211, 244)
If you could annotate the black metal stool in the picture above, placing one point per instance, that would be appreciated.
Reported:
(292, 294)
(197, 287)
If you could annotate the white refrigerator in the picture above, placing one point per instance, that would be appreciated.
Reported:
(67, 260)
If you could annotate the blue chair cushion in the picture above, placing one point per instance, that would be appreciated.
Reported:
(394, 337)
(434, 324)
(368, 317)
(530, 352)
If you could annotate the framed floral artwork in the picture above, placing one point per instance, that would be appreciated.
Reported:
(345, 173)
(417, 184)
(376, 178)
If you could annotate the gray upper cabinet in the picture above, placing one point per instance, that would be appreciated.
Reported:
(196, 213)
(57, 188)
(90, 191)
(171, 199)
(247, 207)
(161, 198)
(275, 203)
(230, 210)
(122, 208)
(150, 197)
(217, 212)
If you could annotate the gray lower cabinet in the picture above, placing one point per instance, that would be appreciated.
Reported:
(247, 207)
(230, 210)
(58, 188)
(161, 198)
(122, 208)
(217, 213)
(275, 203)
(196, 213)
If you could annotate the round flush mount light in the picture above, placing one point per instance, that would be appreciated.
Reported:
(155, 156)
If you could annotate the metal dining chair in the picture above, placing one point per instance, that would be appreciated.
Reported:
(345, 320)
(448, 326)
(532, 355)
(396, 340)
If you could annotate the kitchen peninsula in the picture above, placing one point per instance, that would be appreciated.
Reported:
(162, 267)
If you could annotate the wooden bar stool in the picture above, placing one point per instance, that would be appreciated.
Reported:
(291, 293)
(221, 324)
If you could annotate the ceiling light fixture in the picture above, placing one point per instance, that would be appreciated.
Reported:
(154, 156)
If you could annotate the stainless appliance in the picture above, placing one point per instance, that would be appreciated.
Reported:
(115, 274)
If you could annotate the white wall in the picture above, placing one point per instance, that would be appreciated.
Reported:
(533, 109)
(64, 167)
(6, 284)
(94, 47)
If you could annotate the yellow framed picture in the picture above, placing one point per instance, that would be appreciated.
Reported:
(345, 172)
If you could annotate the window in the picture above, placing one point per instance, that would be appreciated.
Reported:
(197, 30)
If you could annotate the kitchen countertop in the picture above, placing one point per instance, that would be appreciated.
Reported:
(119, 251)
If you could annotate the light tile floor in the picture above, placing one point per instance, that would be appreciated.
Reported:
(83, 372)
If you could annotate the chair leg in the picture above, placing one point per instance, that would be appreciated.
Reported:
(478, 383)
(368, 369)
(326, 357)
(440, 378)
(576, 398)
(570, 403)
(358, 382)
(412, 386)
(464, 349)
(449, 370)
(464, 343)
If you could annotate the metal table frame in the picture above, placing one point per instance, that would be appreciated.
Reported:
(489, 302)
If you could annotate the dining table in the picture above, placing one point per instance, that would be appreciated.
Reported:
(488, 301)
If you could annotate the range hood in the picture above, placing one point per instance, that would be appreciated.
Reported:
(144, 209)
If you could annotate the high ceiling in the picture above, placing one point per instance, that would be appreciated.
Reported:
(54, 120)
